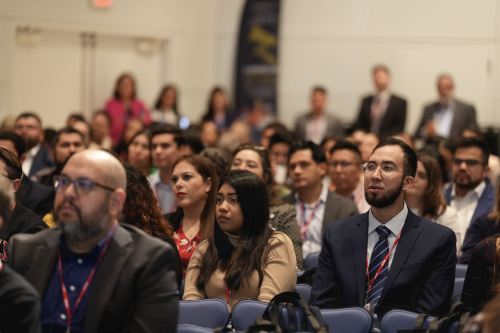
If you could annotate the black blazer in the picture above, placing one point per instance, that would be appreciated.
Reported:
(421, 276)
(393, 121)
(37, 197)
(133, 290)
(41, 161)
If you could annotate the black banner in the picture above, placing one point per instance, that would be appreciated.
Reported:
(257, 61)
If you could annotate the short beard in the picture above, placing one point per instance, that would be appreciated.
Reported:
(82, 230)
(384, 201)
(469, 185)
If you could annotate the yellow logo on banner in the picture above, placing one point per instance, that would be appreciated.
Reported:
(264, 40)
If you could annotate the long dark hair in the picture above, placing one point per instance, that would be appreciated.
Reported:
(255, 234)
(141, 207)
(206, 170)
(434, 201)
(147, 133)
(160, 97)
(209, 115)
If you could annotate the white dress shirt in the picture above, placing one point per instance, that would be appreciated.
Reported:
(466, 206)
(163, 193)
(444, 118)
(395, 225)
(314, 236)
(30, 156)
(316, 129)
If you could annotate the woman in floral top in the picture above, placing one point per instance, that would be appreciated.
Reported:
(194, 183)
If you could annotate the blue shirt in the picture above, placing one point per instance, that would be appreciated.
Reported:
(76, 270)
(163, 193)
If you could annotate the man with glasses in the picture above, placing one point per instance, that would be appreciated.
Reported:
(388, 258)
(22, 219)
(345, 171)
(29, 127)
(471, 192)
(95, 275)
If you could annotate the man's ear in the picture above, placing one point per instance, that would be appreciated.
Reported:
(323, 167)
(116, 201)
(408, 183)
(42, 135)
(22, 158)
(16, 184)
(183, 150)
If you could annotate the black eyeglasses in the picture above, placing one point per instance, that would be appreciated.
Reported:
(82, 185)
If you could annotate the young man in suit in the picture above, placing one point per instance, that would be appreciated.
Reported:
(410, 261)
(93, 274)
(315, 205)
(29, 127)
(383, 114)
(317, 124)
(448, 117)
(471, 192)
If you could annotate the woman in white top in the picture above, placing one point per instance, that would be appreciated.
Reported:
(426, 197)
(166, 107)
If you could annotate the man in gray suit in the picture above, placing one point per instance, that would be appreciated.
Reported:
(314, 204)
(448, 117)
(317, 124)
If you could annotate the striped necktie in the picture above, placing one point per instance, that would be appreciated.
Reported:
(380, 251)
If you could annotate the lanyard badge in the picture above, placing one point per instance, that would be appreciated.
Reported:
(304, 225)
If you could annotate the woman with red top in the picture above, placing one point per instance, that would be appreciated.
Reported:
(194, 183)
(124, 106)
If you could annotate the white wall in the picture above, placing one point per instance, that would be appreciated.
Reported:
(329, 42)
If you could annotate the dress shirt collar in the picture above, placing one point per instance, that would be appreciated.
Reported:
(322, 197)
(478, 191)
(33, 151)
(394, 225)
(383, 96)
(155, 180)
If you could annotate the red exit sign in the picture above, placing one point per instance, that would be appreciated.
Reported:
(103, 3)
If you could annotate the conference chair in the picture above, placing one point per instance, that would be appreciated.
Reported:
(353, 320)
(460, 271)
(396, 320)
(189, 328)
(212, 312)
(305, 291)
(311, 261)
(181, 291)
(458, 286)
(245, 312)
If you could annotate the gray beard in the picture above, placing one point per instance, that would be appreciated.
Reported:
(80, 230)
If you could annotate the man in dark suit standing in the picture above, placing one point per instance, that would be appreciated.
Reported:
(318, 124)
(314, 204)
(388, 257)
(29, 127)
(93, 274)
(448, 117)
(383, 114)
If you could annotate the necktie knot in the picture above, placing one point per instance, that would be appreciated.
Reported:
(383, 231)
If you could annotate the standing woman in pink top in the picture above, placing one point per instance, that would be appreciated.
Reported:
(124, 106)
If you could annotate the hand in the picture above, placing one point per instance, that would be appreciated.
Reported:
(430, 129)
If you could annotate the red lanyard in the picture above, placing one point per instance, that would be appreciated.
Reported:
(370, 283)
(86, 285)
(303, 221)
(228, 291)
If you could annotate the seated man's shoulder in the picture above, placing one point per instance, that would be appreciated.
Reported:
(142, 240)
(347, 223)
(35, 239)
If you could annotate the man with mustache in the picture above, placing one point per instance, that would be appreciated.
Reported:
(388, 257)
(93, 274)
(471, 193)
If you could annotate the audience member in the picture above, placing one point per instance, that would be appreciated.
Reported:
(471, 193)
(269, 131)
(345, 170)
(73, 118)
(29, 127)
(483, 273)
(219, 158)
(426, 198)
(317, 124)
(193, 141)
(124, 106)
(315, 205)
(218, 110)
(32, 195)
(229, 142)
(133, 127)
(166, 108)
(141, 210)
(368, 142)
(101, 127)
(482, 227)
(242, 130)
(418, 278)
(19, 302)
(8, 124)
(384, 113)
(406, 138)
(22, 219)
(67, 142)
(447, 117)
(282, 216)
(209, 134)
(167, 145)
(48, 136)
(327, 145)
(279, 145)
(194, 183)
(84, 128)
(133, 271)
(244, 259)
(139, 152)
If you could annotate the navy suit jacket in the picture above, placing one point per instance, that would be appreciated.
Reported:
(37, 197)
(421, 275)
(41, 161)
(485, 204)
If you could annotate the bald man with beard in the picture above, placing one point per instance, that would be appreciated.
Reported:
(114, 276)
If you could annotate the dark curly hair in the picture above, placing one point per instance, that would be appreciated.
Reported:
(141, 208)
